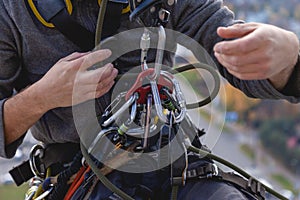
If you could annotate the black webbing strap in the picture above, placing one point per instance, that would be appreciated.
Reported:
(55, 12)
(76, 33)
(82, 37)
(54, 154)
(112, 19)
(21, 173)
(210, 170)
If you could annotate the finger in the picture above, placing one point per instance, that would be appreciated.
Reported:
(111, 77)
(104, 84)
(107, 79)
(100, 85)
(81, 93)
(103, 90)
(236, 30)
(236, 68)
(97, 75)
(73, 56)
(251, 71)
(242, 45)
(92, 58)
(247, 76)
(244, 63)
(245, 38)
(92, 91)
(87, 92)
(95, 57)
(99, 91)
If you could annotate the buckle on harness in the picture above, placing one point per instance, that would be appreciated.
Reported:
(209, 170)
(256, 187)
(214, 171)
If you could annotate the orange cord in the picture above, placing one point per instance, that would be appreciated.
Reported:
(77, 182)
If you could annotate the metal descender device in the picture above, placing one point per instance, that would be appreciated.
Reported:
(155, 95)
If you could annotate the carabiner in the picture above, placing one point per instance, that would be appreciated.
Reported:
(130, 101)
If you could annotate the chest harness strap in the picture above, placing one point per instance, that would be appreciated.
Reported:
(57, 14)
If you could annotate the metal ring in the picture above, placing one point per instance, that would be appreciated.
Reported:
(32, 161)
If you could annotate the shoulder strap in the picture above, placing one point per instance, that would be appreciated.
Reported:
(54, 13)
(112, 19)
(79, 35)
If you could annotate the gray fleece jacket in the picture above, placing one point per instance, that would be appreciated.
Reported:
(28, 50)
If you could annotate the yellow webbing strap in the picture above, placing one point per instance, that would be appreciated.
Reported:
(39, 16)
(69, 9)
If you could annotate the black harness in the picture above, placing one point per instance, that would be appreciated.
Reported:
(54, 155)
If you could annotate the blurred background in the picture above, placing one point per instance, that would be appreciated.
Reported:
(260, 136)
(285, 14)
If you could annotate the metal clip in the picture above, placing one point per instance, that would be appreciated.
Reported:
(33, 187)
(164, 15)
(214, 172)
(179, 96)
(99, 138)
(159, 53)
(256, 187)
(32, 161)
(144, 45)
(129, 102)
(147, 125)
(44, 194)
(186, 164)
(113, 104)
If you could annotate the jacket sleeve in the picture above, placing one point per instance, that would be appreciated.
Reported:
(10, 69)
(293, 85)
(199, 19)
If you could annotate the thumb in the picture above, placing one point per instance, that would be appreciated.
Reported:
(236, 30)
